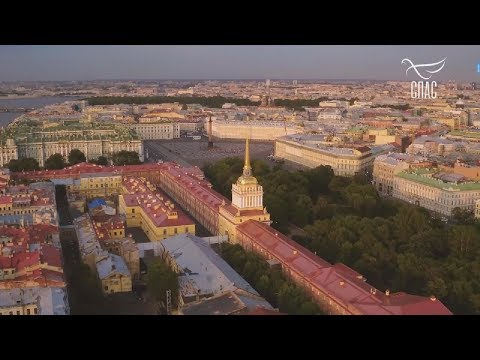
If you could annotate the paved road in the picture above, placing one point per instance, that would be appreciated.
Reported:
(157, 151)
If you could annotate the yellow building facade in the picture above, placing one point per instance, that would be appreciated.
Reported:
(93, 186)
(116, 283)
(247, 202)
(21, 309)
(152, 211)
(343, 161)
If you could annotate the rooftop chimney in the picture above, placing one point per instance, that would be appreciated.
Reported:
(387, 292)
(433, 298)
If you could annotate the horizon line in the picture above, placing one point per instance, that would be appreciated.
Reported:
(224, 79)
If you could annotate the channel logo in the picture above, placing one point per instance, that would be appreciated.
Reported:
(424, 89)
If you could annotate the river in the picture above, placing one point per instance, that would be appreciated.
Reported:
(6, 118)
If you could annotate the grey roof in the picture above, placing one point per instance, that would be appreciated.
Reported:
(382, 148)
(396, 158)
(110, 265)
(49, 300)
(224, 304)
(202, 267)
(16, 219)
(87, 239)
(315, 141)
(60, 181)
(424, 138)
(450, 177)
(252, 303)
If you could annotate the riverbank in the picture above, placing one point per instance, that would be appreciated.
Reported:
(16, 97)
(25, 102)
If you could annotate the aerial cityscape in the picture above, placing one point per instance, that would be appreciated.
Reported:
(157, 186)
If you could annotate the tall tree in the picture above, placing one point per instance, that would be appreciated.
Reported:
(76, 156)
(102, 160)
(124, 157)
(161, 278)
(25, 164)
(55, 162)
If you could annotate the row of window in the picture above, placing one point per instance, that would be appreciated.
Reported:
(8, 272)
(29, 312)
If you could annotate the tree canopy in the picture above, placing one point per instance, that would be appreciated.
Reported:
(101, 160)
(26, 164)
(395, 245)
(161, 278)
(212, 101)
(76, 156)
(55, 162)
(124, 157)
(270, 283)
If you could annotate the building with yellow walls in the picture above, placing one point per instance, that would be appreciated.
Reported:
(93, 185)
(29, 204)
(453, 122)
(247, 202)
(311, 151)
(114, 274)
(112, 269)
(151, 210)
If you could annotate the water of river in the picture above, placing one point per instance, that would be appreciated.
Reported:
(6, 118)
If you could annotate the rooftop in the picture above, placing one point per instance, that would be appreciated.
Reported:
(425, 176)
(155, 204)
(49, 300)
(112, 264)
(202, 270)
(223, 304)
(466, 133)
(317, 142)
(340, 282)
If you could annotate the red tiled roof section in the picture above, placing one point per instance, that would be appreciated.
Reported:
(5, 200)
(343, 284)
(154, 203)
(193, 182)
(6, 262)
(50, 255)
(86, 168)
(103, 224)
(29, 252)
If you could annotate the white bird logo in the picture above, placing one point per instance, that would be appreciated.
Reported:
(436, 66)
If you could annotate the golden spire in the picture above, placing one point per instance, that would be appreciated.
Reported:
(247, 168)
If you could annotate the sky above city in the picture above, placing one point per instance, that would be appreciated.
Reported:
(94, 62)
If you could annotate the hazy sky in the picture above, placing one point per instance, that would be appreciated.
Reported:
(89, 62)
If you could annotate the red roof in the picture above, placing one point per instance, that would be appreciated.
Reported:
(50, 255)
(85, 168)
(5, 199)
(343, 284)
(155, 204)
(197, 187)
(103, 224)
(28, 261)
